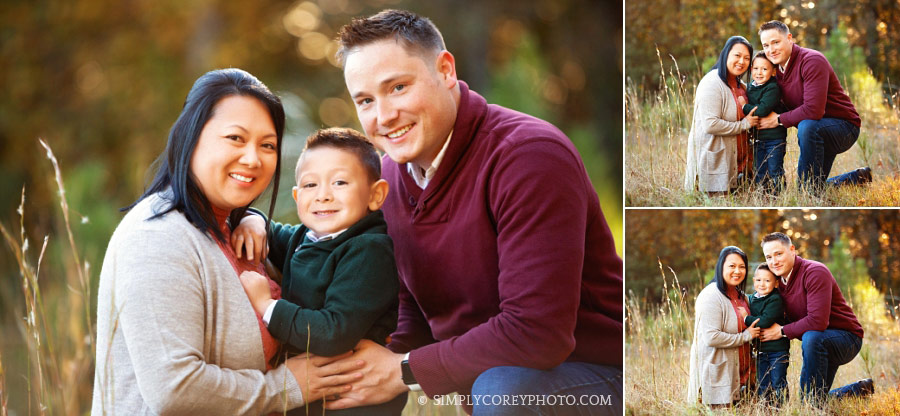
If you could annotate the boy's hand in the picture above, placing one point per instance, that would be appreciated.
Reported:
(250, 234)
(742, 312)
(257, 288)
(742, 101)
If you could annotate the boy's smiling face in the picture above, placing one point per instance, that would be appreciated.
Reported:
(764, 282)
(762, 70)
(334, 191)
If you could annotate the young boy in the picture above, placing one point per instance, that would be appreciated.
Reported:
(773, 357)
(769, 144)
(339, 281)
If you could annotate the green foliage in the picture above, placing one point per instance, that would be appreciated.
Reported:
(867, 302)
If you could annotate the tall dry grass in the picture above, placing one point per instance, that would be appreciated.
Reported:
(658, 341)
(57, 329)
(657, 124)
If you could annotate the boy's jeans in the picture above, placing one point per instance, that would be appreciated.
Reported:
(768, 161)
(820, 141)
(771, 375)
(823, 352)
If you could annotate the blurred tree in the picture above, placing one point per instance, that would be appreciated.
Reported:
(695, 30)
(689, 241)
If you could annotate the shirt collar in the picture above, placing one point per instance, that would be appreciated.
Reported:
(423, 178)
(784, 67)
(312, 236)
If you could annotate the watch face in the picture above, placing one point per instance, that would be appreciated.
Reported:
(408, 377)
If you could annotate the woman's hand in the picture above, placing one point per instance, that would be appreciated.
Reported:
(754, 120)
(250, 234)
(753, 330)
(319, 377)
(257, 288)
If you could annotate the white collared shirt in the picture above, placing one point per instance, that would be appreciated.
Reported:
(785, 280)
(421, 177)
(312, 236)
(784, 67)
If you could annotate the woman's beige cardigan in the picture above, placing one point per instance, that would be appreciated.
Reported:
(714, 351)
(712, 142)
(175, 332)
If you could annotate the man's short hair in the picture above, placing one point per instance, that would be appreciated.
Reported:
(348, 140)
(776, 236)
(416, 33)
(774, 24)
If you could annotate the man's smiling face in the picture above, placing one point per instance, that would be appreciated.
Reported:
(403, 99)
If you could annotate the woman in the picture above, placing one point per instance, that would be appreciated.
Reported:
(176, 333)
(720, 352)
(718, 147)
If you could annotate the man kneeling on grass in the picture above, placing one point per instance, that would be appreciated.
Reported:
(817, 314)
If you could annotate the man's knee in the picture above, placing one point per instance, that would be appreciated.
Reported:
(807, 131)
(812, 342)
(504, 380)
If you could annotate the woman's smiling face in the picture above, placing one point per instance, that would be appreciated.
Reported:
(734, 270)
(738, 60)
(236, 153)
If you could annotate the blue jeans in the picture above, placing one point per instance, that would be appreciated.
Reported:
(823, 352)
(771, 375)
(768, 164)
(820, 141)
(571, 388)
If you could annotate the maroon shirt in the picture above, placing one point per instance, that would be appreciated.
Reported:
(505, 258)
(814, 302)
(811, 91)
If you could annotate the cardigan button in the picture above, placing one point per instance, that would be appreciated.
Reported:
(412, 201)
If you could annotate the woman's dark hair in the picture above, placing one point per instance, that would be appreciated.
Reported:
(723, 56)
(720, 274)
(174, 171)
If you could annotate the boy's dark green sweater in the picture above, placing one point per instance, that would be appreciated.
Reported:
(769, 310)
(765, 98)
(344, 289)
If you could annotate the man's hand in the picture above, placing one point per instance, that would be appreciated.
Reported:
(771, 333)
(769, 121)
(250, 234)
(257, 288)
(324, 376)
(381, 381)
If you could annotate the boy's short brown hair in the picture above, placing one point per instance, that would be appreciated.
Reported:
(762, 54)
(348, 140)
(417, 34)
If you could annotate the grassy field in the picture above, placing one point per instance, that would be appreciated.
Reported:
(657, 124)
(658, 341)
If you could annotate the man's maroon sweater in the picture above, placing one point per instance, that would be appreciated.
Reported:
(505, 258)
(811, 91)
(814, 302)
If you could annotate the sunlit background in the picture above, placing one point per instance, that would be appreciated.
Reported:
(102, 81)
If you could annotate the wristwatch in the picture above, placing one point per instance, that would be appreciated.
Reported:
(778, 118)
(408, 377)
(782, 333)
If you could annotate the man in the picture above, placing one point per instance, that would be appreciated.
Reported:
(818, 315)
(510, 283)
(827, 123)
